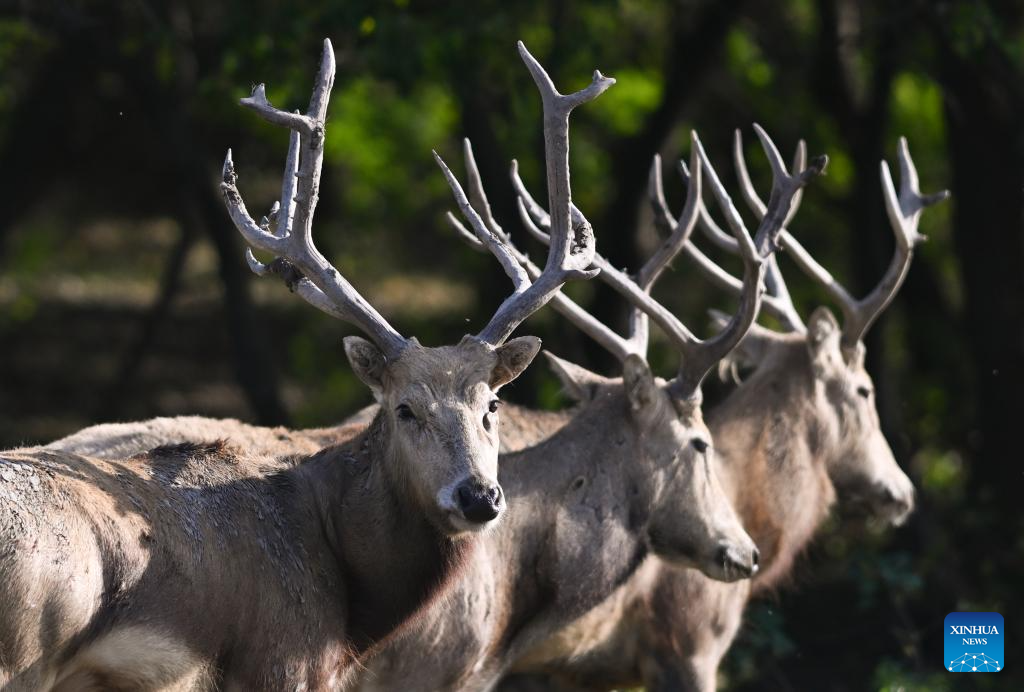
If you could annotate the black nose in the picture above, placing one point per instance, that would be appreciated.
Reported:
(756, 557)
(479, 503)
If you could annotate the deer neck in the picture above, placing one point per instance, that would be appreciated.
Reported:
(393, 561)
(574, 530)
(771, 452)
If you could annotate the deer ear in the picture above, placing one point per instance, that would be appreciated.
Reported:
(823, 333)
(368, 363)
(513, 357)
(641, 389)
(579, 383)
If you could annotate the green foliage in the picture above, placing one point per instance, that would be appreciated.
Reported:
(625, 108)
(375, 132)
(746, 60)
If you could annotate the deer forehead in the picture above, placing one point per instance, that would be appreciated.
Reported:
(447, 373)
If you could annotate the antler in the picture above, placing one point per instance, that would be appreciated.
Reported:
(700, 356)
(288, 232)
(904, 213)
(572, 248)
(484, 242)
(776, 300)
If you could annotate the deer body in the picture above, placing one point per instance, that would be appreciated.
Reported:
(616, 481)
(309, 561)
(198, 567)
(121, 440)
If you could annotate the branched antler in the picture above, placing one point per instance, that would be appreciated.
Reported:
(572, 248)
(287, 232)
(777, 300)
(564, 305)
(698, 357)
(904, 212)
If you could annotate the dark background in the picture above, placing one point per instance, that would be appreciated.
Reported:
(124, 293)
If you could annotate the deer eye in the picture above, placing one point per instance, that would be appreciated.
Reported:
(699, 444)
(493, 406)
(405, 413)
(864, 392)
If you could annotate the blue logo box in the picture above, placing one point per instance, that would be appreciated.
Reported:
(974, 643)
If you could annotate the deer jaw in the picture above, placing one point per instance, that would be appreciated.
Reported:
(439, 412)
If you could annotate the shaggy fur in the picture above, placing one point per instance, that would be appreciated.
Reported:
(584, 504)
(582, 507)
(101, 553)
(197, 566)
(785, 438)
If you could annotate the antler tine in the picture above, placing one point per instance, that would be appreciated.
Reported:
(301, 265)
(569, 256)
(683, 226)
(700, 356)
(283, 213)
(777, 305)
(490, 229)
(799, 163)
(904, 212)
(711, 230)
(679, 232)
(483, 233)
(774, 281)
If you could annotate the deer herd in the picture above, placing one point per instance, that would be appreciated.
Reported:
(440, 540)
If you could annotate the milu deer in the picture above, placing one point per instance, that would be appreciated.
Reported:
(629, 475)
(782, 466)
(202, 566)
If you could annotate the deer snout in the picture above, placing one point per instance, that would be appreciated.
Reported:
(897, 503)
(736, 561)
(479, 502)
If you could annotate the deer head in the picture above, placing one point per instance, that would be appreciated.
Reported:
(438, 404)
(690, 519)
(830, 356)
(691, 522)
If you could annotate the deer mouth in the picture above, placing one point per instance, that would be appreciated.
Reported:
(727, 561)
(733, 563)
(893, 508)
(458, 524)
(880, 501)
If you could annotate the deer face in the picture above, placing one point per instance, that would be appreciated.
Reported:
(692, 522)
(440, 408)
(862, 465)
